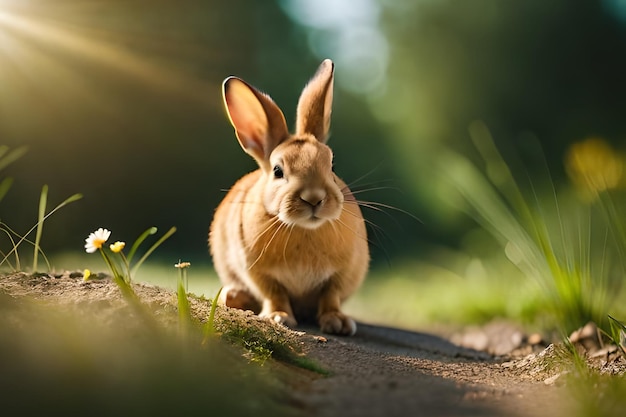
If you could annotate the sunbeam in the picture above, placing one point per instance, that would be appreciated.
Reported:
(31, 40)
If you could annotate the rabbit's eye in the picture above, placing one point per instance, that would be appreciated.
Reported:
(278, 172)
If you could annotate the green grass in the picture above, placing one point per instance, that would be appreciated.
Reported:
(617, 334)
(431, 297)
(568, 246)
(598, 395)
(15, 239)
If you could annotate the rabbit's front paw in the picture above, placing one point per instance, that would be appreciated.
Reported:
(280, 317)
(238, 298)
(335, 322)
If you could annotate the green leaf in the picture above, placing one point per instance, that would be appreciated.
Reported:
(138, 242)
(8, 157)
(5, 185)
(152, 248)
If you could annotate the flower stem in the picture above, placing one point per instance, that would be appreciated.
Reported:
(127, 265)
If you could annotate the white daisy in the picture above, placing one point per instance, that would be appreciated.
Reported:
(96, 240)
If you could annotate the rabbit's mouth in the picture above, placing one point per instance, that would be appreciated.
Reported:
(307, 220)
(316, 220)
(312, 222)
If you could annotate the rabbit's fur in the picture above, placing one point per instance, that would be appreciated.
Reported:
(289, 240)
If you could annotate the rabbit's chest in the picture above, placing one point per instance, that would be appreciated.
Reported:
(300, 266)
(300, 281)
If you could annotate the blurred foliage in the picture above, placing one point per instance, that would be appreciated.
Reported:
(120, 100)
(104, 359)
(571, 248)
(532, 69)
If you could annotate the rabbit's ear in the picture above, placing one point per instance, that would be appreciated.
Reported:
(315, 104)
(259, 123)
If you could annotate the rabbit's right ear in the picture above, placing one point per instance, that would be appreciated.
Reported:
(259, 124)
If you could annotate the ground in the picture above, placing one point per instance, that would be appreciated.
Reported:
(379, 371)
(386, 371)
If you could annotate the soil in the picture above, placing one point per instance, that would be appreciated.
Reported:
(379, 371)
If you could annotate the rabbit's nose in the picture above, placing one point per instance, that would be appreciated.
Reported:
(314, 196)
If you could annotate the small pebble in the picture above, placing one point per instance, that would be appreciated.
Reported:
(535, 339)
(554, 378)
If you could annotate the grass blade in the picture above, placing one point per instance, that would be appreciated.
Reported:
(139, 241)
(184, 311)
(23, 238)
(618, 333)
(43, 200)
(152, 248)
(7, 230)
(209, 327)
(8, 157)
(5, 185)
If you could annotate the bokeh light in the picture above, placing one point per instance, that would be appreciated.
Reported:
(349, 33)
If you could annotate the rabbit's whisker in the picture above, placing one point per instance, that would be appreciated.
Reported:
(338, 221)
(376, 230)
(287, 243)
(270, 226)
(365, 190)
(367, 174)
(244, 202)
(288, 264)
(380, 207)
(334, 227)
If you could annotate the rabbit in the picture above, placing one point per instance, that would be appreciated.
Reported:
(289, 241)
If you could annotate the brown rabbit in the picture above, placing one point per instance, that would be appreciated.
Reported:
(289, 240)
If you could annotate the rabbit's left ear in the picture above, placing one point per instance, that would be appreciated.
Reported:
(315, 104)
(259, 123)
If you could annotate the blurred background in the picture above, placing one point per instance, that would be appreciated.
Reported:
(120, 100)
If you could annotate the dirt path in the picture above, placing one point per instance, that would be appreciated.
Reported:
(389, 372)
(380, 371)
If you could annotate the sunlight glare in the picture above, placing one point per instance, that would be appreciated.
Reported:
(25, 35)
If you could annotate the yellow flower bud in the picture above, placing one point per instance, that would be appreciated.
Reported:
(117, 247)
